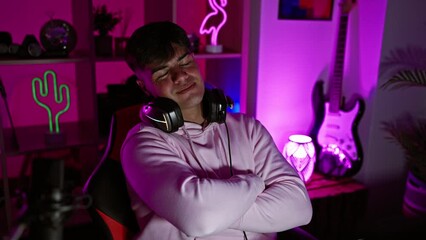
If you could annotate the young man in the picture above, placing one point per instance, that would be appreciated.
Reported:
(206, 179)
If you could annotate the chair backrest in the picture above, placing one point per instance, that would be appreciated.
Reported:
(111, 210)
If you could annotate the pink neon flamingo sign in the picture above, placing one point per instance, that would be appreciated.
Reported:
(207, 26)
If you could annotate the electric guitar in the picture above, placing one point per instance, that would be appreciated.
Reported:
(338, 148)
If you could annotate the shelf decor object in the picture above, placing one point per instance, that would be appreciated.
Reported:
(300, 153)
(61, 95)
(104, 22)
(58, 38)
(212, 24)
(5, 42)
(195, 42)
(121, 42)
(30, 48)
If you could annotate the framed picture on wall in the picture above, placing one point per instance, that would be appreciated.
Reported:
(305, 9)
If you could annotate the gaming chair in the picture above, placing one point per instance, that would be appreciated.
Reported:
(111, 210)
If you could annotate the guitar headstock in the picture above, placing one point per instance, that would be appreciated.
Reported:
(346, 6)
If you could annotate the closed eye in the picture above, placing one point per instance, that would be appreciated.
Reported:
(161, 75)
(185, 64)
(188, 60)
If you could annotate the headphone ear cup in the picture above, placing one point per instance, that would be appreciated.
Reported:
(214, 105)
(163, 113)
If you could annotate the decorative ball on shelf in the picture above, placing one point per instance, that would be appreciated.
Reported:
(58, 37)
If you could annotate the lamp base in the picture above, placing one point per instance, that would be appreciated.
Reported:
(214, 48)
(52, 138)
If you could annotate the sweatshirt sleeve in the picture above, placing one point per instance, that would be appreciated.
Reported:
(168, 186)
(285, 203)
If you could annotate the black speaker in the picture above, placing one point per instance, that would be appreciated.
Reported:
(166, 115)
(30, 47)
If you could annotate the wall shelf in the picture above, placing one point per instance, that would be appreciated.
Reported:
(16, 61)
(30, 139)
(223, 55)
(217, 55)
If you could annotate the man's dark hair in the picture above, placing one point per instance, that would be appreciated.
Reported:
(152, 43)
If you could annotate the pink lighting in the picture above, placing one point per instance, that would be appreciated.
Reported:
(293, 55)
(300, 153)
(208, 25)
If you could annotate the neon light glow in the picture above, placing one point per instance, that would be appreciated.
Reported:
(207, 26)
(43, 88)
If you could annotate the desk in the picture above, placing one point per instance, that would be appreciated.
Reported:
(30, 139)
(338, 207)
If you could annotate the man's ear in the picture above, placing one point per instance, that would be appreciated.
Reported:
(141, 85)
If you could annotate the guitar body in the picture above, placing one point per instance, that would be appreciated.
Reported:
(335, 135)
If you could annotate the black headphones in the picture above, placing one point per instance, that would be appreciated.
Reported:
(165, 114)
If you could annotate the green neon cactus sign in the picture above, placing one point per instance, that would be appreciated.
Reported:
(43, 88)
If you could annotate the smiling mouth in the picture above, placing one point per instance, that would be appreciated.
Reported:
(186, 89)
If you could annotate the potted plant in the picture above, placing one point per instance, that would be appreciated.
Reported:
(104, 22)
(407, 68)
(410, 134)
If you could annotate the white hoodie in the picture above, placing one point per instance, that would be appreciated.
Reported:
(182, 185)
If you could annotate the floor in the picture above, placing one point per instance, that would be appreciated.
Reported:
(396, 228)
(79, 227)
(393, 228)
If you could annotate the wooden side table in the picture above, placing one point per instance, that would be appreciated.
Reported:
(338, 205)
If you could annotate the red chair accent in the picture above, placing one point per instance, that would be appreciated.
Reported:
(117, 230)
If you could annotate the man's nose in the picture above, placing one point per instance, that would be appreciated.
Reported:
(179, 74)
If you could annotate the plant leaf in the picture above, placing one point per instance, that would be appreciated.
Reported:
(408, 58)
(410, 135)
(406, 78)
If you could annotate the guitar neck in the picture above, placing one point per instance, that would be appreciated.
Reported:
(336, 77)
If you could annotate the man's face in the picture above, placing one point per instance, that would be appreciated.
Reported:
(178, 79)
